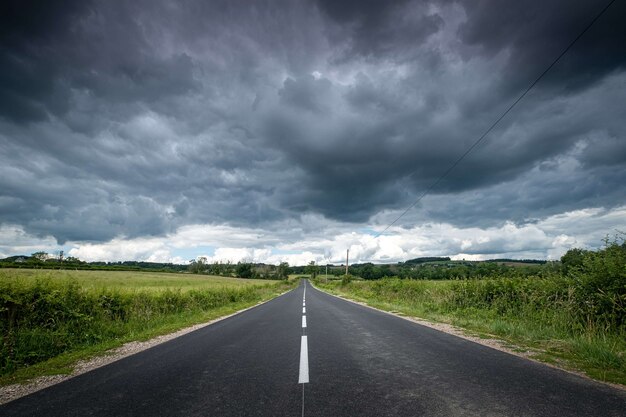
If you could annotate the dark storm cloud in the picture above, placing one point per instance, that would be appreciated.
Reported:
(136, 118)
(535, 33)
(28, 30)
(376, 27)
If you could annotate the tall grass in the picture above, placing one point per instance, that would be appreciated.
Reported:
(578, 316)
(544, 314)
(42, 318)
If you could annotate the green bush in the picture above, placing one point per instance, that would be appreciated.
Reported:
(576, 312)
(43, 319)
(600, 287)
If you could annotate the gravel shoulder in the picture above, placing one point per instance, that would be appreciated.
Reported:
(12, 392)
(498, 344)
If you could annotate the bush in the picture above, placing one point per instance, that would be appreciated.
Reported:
(44, 319)
(346, 279)
(600, 283)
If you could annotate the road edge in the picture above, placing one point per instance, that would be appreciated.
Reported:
(12, 392)
(493, 343)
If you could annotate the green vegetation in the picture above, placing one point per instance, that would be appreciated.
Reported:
(240, 269)
(49, 319)
(43, 260)
(312, 269)
(200, 265)
(129, 280)
(422, 260)
(437, 268)
(574, 315)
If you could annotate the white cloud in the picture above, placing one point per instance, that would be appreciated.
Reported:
(15, 241)
(122, 250)
(319, 240)
(240, 255)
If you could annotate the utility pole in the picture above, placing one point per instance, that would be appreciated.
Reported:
(347, 259)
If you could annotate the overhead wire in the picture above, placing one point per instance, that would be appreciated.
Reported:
(495, 123)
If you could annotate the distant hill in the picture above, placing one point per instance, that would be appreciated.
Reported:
(16, 258)
(518, 261)
(427, 259)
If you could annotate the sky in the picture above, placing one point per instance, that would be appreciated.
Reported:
(271, 131)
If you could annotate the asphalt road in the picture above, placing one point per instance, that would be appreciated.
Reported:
(348, 361)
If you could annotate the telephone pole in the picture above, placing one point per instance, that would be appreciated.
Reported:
(347, 259)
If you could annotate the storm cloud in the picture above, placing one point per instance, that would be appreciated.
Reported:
(128, 120)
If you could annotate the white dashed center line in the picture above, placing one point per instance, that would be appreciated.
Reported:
(303, 310)
(304, 361)
(303, 321)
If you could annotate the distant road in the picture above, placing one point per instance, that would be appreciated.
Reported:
(348, 361)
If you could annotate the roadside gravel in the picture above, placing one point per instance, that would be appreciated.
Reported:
(12, 392)
(498, 344)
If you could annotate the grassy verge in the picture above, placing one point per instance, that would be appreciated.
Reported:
(129, 280)
(48, 323)
(535, 315)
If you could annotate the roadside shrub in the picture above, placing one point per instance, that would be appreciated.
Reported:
(600, 287)
(346, 279)
(590, 298)
(43, 319)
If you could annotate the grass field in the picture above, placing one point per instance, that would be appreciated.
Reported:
(131, 280)
(50, 319)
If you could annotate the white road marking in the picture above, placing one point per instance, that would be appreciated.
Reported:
(303, 310)
(304, 361)
(303, 321)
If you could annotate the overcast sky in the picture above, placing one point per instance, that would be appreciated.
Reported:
(293, 130)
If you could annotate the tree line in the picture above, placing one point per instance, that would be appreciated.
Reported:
(240, 269)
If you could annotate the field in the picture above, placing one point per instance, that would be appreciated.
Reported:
(51, 318)
(130, 280)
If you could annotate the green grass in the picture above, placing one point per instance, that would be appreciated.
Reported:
(130, 280)
(50, 319)
(535, 315)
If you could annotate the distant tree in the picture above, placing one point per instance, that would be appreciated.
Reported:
(244, 270)
(283, 271)
(367, 271)
(198, 266)
(40, 256)
(573, 259)
(216, 268)
(312, 269)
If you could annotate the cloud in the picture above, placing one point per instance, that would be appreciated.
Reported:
(15, 241)
(149, 120)
(533, 37)
(549, 238)
(121, 249)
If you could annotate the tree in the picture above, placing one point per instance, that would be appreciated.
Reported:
(283, 271)
(367, 271)
(198, 266)
(312, 269)
(244, 270)
(40, 256)
(573, 259)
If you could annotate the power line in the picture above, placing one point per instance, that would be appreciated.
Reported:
(494, 124)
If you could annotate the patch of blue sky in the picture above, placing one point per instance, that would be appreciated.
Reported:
(368, 231)
(193, 253)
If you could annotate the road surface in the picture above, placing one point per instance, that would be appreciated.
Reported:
(308, 353)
